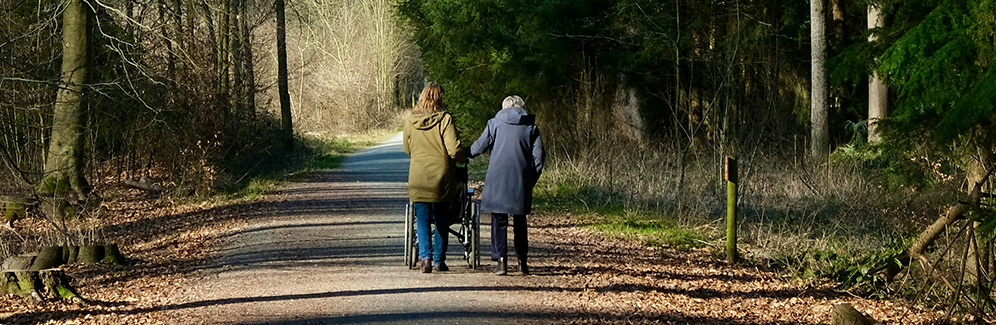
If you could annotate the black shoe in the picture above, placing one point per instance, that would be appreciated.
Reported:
(426, 266)
(441, 267)
(502, 268)
(523, 267)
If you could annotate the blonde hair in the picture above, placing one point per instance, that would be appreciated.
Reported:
(431, 99)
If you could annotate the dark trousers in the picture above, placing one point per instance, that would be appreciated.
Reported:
(499, 235)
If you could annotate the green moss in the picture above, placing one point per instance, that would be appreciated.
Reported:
(64, 292)
(54, 186)
(14, 211)
(26, 284)
(9, 284)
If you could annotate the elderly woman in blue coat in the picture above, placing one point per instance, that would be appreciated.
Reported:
(515, 165)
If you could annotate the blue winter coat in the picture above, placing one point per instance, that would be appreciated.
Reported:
(516, 161)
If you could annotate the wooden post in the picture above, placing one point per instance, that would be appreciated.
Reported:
(730, 174)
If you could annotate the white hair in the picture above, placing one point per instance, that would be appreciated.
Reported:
(513, 101)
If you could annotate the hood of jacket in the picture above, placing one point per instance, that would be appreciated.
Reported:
(426, 121)
(515, 116)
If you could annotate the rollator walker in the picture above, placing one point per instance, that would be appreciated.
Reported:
(466, 215)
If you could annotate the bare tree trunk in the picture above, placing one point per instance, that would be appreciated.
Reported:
(248, 65)
(285, 104)
(224, 30)
(238, 61)
(63, 166)
(819, 145)
(878, 91)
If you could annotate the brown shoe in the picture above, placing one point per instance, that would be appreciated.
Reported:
(441, 267)
(426, 266)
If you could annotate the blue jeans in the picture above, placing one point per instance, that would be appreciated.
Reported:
(425, 215)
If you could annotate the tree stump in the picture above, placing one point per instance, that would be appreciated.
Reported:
(21, 283)
(57, 285)
(90, 254)
(70, 253)
(845, 314)
(51, 257)
(112, 255)
(48, 258)
(9, 283)
(19, 262)
(53, 282)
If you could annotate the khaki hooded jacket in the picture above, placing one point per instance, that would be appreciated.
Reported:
(431, 141)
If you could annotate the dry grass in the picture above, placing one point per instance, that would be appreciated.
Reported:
(837, 211)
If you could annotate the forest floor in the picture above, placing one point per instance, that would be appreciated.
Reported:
(327, 250)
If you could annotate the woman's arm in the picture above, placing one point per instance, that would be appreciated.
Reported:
(404, 139)
(537, 152)
(484, 142)
(450, 139)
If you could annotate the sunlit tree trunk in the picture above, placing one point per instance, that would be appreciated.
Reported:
(819, 139)
(878, 91)
(285, 104)
(63, 166)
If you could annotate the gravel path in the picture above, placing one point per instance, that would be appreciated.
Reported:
(329, 251)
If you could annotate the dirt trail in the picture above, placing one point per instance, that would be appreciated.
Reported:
(329, 251)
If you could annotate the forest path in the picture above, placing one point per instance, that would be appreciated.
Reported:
(328, 250)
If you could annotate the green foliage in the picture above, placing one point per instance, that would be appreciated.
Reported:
(985, 215)
(651, 230)
(841, 265)
(864, 271)
(549, 51)
(941, 66)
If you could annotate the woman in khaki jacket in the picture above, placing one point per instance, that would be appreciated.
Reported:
(431, 140)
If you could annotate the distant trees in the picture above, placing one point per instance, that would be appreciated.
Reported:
(184, 91)
(712, 73)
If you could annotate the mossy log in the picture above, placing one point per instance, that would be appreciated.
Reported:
(48, 257)
(845, 314)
